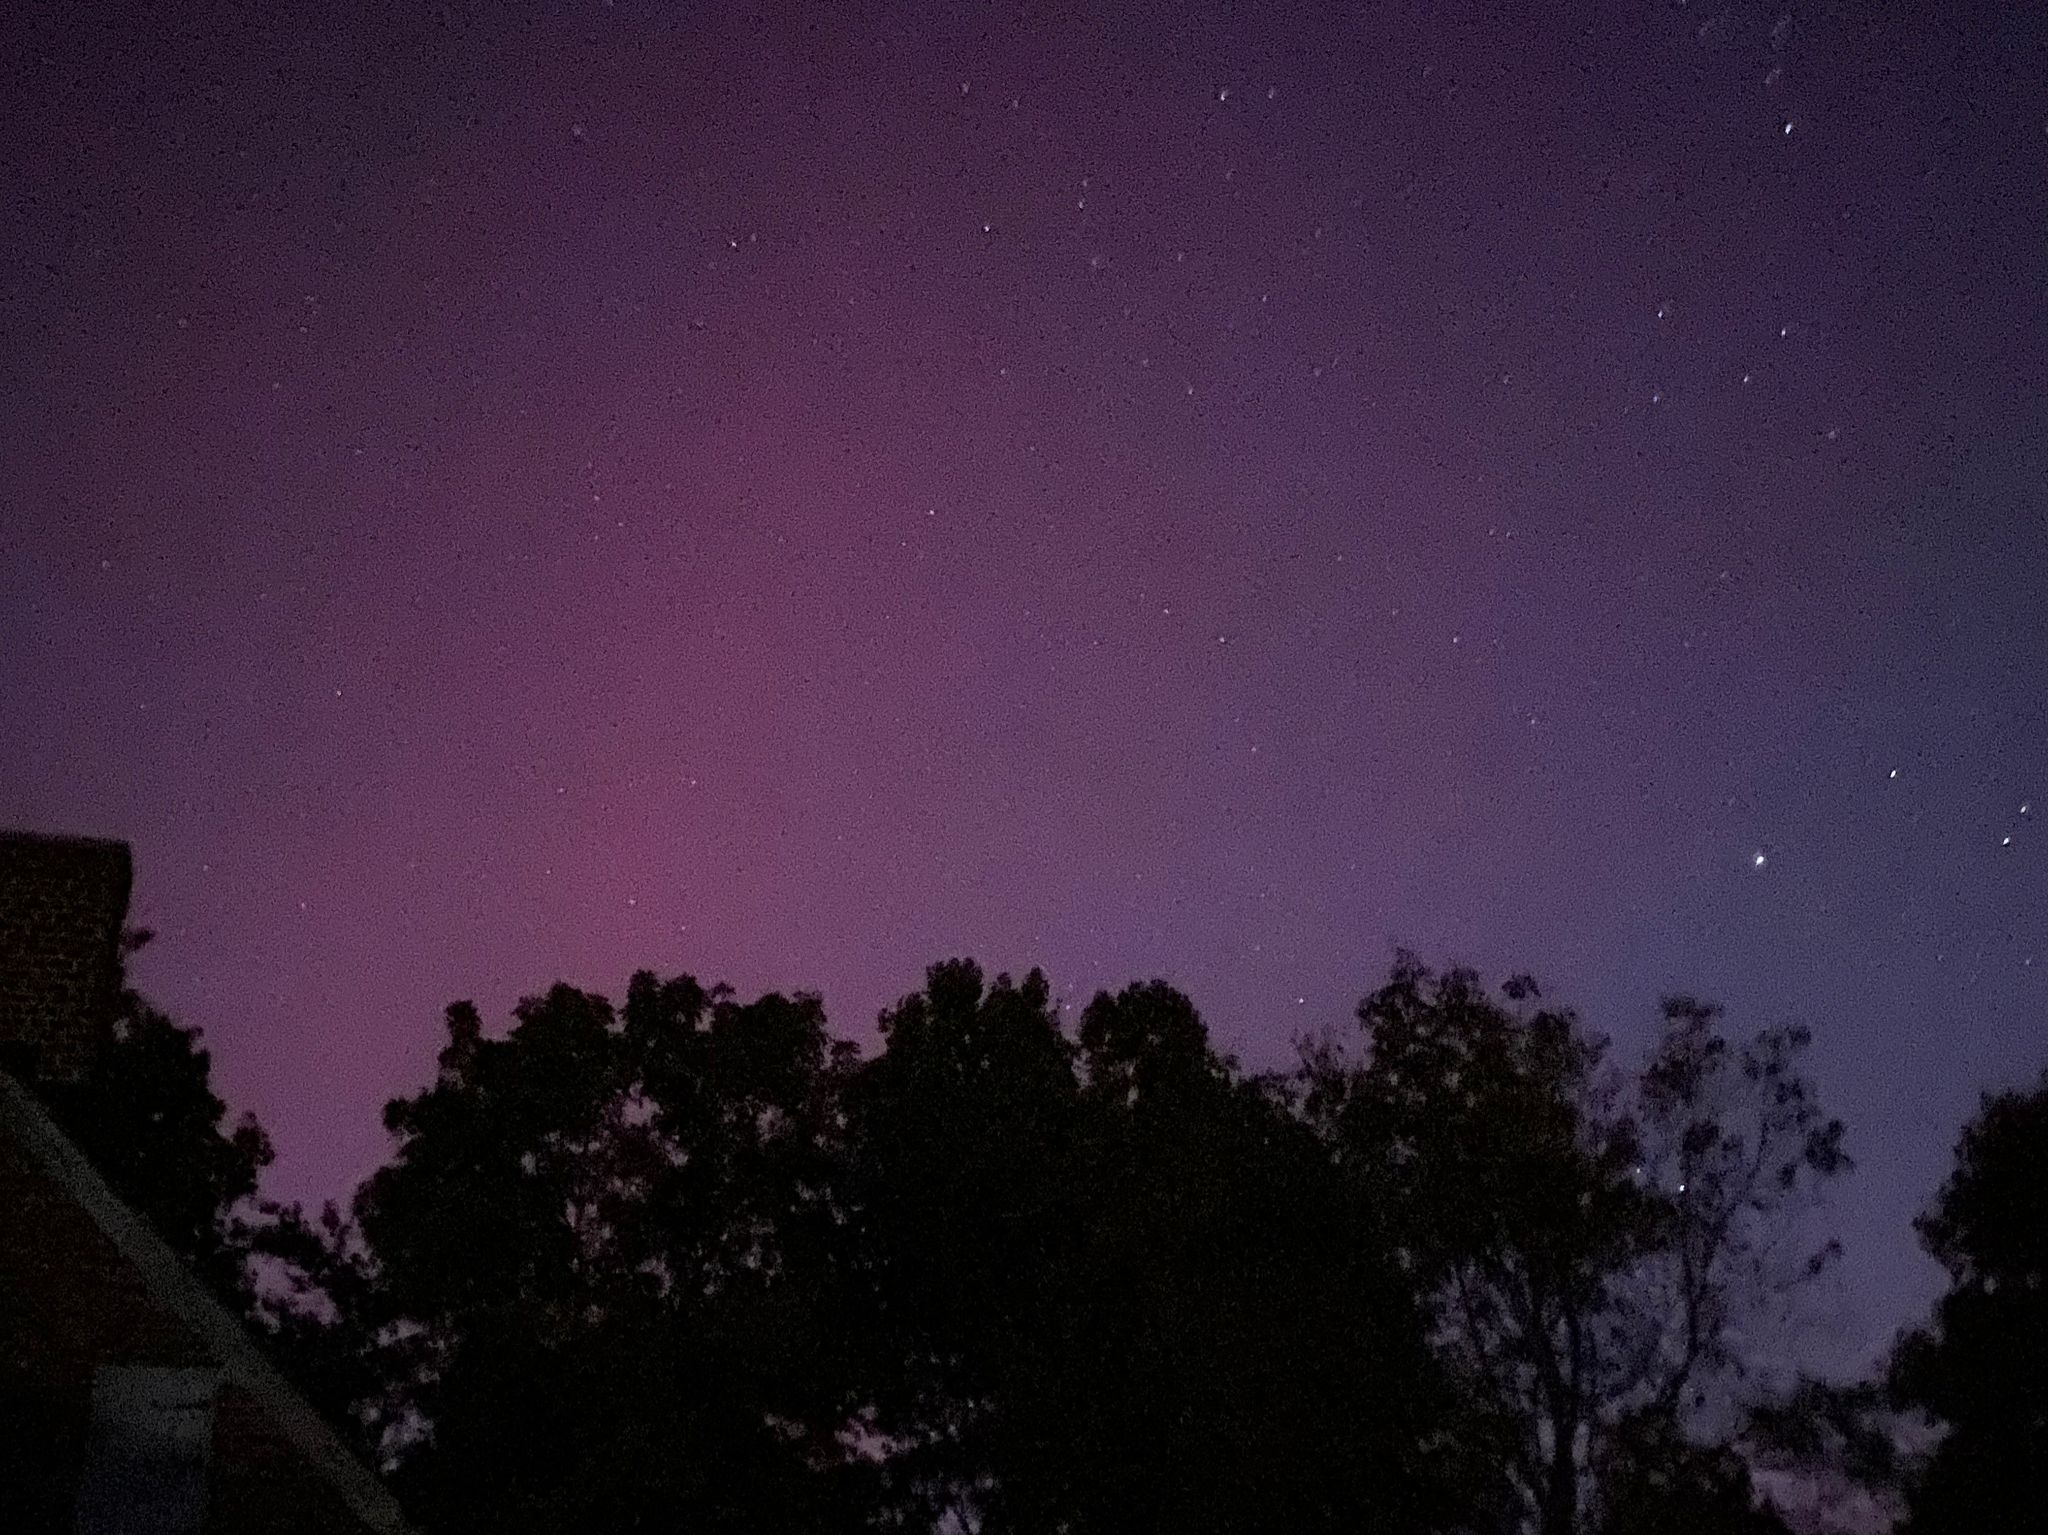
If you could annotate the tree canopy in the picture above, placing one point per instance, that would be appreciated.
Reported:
(147, 1117)
(1585, 1239)
(692, 1261)
(1120, 1285)
(1980, 1370)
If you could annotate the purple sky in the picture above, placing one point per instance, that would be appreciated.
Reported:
(1211, 494)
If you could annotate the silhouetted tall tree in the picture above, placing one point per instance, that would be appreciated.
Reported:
(1252, 1358)
(965, 1177)
(1585, 1241)
(594, 1285)
(1118, 1286)
(1981, 1369)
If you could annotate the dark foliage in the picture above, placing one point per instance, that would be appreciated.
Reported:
(1981, 1369)
(1585, 1240)
(1120, 1287)
(1654, 1478)
(600, 1272)
(147, 1117)
(690, 1262)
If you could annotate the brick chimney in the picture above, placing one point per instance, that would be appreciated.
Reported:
(63, 901)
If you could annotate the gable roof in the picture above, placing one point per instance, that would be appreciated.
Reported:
(180, 1293)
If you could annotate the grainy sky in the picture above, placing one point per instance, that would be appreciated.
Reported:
(496, 493)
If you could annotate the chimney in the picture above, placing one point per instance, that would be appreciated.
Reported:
(63, 901)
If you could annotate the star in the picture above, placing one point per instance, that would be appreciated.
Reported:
(1756, 860)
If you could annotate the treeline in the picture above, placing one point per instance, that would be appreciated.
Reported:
(692, 1262)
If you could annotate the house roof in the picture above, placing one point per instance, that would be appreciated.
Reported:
(180, 1293)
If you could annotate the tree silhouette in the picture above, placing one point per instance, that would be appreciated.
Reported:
(1585, 1241)
(692, 1261)
(1981, 1369)
(1654, 1478)
(146, 1116)
(1257, 1361)
(1120, 1286)
(966, 1180)
(594, 1283)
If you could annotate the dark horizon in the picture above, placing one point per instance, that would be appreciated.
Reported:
(546, 492)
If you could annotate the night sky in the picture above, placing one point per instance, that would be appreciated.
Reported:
(494, 497)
